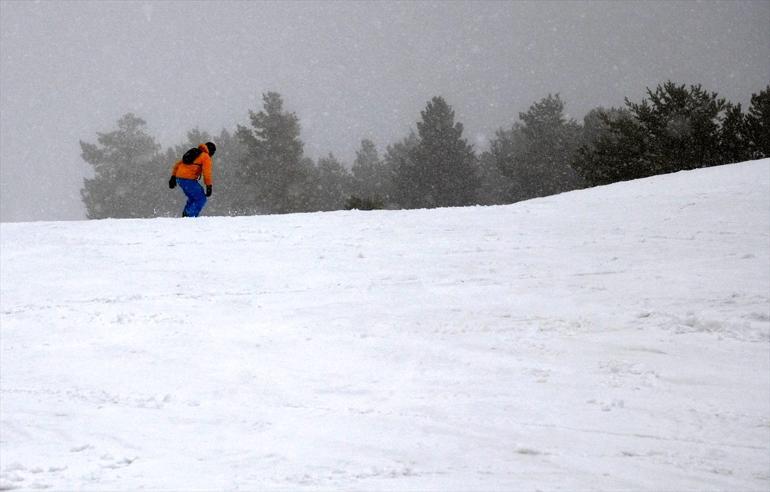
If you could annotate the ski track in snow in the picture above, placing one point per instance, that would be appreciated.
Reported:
(612, 338)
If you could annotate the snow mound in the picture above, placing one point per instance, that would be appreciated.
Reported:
(611, 338)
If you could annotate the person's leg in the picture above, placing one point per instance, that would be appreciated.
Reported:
(185, 185)
(196, 197)
(200, 201)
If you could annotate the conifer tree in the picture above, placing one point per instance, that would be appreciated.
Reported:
(130, 176)
(536, 153)
(495, 188)
(370, 175)
(273, 169)
(733, 145)
(613, 148)
(675, 128)
(328, 185)
(757, 129)
(400, 166)
(441, 167)
(682, 126)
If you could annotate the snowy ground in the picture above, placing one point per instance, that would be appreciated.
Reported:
(613, 338)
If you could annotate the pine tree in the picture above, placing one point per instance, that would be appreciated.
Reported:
(130, 175)
(328, 185)
(682, 126)
(273, 169)
(495, 188)
(675, 128)
(370, 176)
(441, 167)
(757, 129)
(613, 145)
(400, 166)
(536, 153)
(733, 145)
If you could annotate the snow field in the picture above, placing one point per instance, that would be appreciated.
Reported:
(606, 339)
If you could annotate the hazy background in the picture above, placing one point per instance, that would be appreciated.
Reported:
(350, 70)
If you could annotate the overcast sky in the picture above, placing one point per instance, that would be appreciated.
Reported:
(350, 70)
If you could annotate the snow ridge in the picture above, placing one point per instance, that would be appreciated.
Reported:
(610, 338)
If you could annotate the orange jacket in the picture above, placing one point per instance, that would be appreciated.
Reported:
(202, 164)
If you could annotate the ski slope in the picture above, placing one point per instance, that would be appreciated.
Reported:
(616, 338)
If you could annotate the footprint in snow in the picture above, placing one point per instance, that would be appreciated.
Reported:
(119, 463)
(14, 477)
(528, 451)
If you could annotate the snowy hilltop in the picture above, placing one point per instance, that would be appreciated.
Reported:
(610, 338)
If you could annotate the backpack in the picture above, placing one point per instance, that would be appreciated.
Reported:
(190, 156)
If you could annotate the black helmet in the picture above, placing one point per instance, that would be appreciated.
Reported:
(212, 148)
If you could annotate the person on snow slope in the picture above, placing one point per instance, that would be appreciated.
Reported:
(187, 175)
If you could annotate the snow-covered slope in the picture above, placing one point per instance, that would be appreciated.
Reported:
(612, 338)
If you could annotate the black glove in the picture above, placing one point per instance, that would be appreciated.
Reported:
(172, 182)
(208, 190)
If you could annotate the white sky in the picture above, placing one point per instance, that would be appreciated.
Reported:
(350, 70)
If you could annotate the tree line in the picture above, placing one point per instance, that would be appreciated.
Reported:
(261, 168)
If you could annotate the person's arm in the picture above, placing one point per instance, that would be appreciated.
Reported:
(207, 165)
(172, 181)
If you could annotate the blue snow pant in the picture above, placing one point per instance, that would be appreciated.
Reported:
(196, 198)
